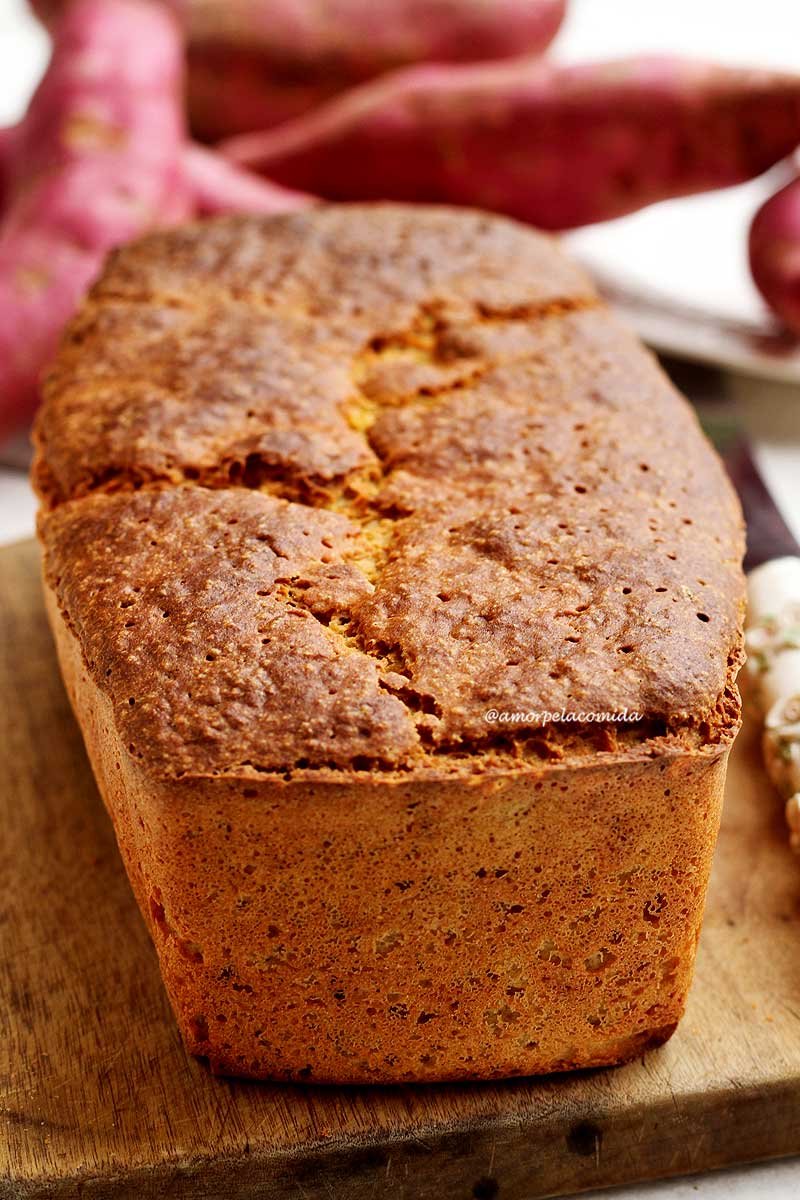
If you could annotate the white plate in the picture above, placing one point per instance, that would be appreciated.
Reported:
(678, 273)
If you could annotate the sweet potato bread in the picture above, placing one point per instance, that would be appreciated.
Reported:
(319, 491)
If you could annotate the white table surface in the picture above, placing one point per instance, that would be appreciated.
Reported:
(767, 32)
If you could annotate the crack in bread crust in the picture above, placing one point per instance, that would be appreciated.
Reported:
(516, 479)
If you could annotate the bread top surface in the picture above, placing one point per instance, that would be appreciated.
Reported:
(320, 490)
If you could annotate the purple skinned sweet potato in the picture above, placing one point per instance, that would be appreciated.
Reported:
(95, 161)
(256, 63)
(267, 63)
(557, 146)
(8, 136)
(774, 247)
(218, 186)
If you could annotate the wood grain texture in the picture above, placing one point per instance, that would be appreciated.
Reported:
(99, 1099)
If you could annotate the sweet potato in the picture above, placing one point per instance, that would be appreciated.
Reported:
(8, 137)
(774, 247)
(217, 186)
(557, 146)
(96, 161)
(255, 63)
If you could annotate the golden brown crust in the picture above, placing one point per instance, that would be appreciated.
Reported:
(318, 491)
(204, 615)
(522, 484)
(237, 337)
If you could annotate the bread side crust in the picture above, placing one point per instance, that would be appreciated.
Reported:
(382, 932)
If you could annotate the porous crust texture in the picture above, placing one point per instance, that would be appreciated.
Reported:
(318, 491)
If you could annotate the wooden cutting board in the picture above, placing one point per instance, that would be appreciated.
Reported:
(98, 1098)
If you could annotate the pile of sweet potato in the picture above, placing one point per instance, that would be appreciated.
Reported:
(415, 100)
(253, 64)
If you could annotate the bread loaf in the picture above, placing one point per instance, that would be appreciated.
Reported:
(363, 527)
